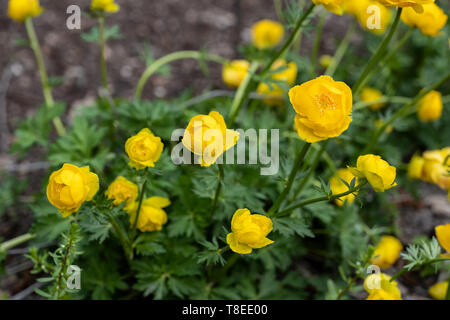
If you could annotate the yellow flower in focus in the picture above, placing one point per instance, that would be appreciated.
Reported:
(143, 149)
(379, 287)
(430, 107)
(208, 137)
(364, 11)
(372, 95)
(20, 10)
(248, 231)
(122, 190)
(430, 22)
(436, 167)
(287, 74)
(386, 252)
(234, 72)
(104, 5)
(415, 167)
(337, 186)
(70, 186)
(267, 34)
(325, 61)
(377, 171)
(152, 216)
(443, 236)
(335, 6)
(323, 108)
(417, 5)
(438, 290)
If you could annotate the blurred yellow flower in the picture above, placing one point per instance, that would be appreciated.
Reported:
(415, 167)
(122, 190)
(20, 10)
(377, 171)
(430, 22)
(379, 287)
(417, 5)
(323, 108)
(372, 95)
(70, 186)
(152, 216)
(443, 236)
(267, 34)
(438, 290)
(335, 6)
(234, 72)
(337, 186)
(104, 5)
(248, 231)
(430, 107)
(143, 149)
(386, 252)
(365, 10)
(325, 61)
(436, 167)
(379, 123)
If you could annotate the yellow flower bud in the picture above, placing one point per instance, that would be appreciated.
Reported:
(372, 95)
(443, 236)
(122, 190)
(143, 149)
(415, 167)
(323, 108)
(335, 6)
(208, 137)
(267, 34)
(20, 10)
(152, 216)
(379, 287)
(249, 231)
(377, 171)
(325, 61)
(417, 5)
(439, 290)
(337, 186)
(430, 22)
(430, 107)
(436, 166)
(234, 72)
(70, 186)
(104, 5)
(386, 252)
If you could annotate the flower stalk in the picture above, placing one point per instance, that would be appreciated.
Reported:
(218, 189)
(7, 245)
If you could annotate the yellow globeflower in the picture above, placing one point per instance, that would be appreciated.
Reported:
(249, 231)
(363, 12)
(337, 186)
(430, 107)
(122, 190)
(267, 34)
(436, 166)
(430, 22)
(70, 186)
(439, 290)
(415, 167)
(417, 5)
(372, 95)
(323, 108)
(20, 10)
(335, 6)
(152, 216)
(379, 287)
(377, 171)
(386, 252)
(234, 72)
(443, 236)
(143, 149)
(208, 137)
(104, 5)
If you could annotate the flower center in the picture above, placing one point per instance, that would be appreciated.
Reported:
(324, 102)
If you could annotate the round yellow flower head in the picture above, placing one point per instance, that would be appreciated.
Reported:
(143, 149)
(417, 5)
(104, 5)
(234, 72)
(122, 190)
(436, 166)
(325, 60)
(335, 6)
(152, 216)
(386, 252)
(323, 108)
(337, 186)
(429, 22)
(287, 74)
(377, 171)
(379, 287)
(370, 14)
(415, 167)
(208, 137)
(20, 10)
(438, 290)
(70, 186)
(430, 107)
(372, 95)
(267, 34)
(248, 231)
(443, 236)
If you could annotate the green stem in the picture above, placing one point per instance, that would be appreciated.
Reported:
(138, 212)
(218, 189)
(341, 50)
(378, 54)
(46, 87)
(362, 105)
(151, 69)
(317, 39)
(123, 239)
(5, 246)
(104, 72)
(227, 266)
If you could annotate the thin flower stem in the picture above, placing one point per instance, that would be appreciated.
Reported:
(138, 212)
(362, 105)
(5, 246)
(378, 54)
(46, 87)
(123, 239)
(104, 72)
(227, 266)
(341, 50)
(152, 68)
(317, 41)
(218, 189)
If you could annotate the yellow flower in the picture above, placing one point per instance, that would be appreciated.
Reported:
(267, 34)
(439, 290)
(366, 18)
(143, 149)
(70, 186)
(287, 74)
(152, 216)
(415, 167)
(436, 166)
(430, 107)
(430, 22)
(323, 108)
(248, 231)
(122, 190)
(377, 171)
(417, 5)
(335, 6)
(325, 61)
(104, 5)
(386, 252)
(443, 236)
(372, 95)
(208, 137)
(379, 287)
(20, 10)
(337, 186)
(234, 72)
